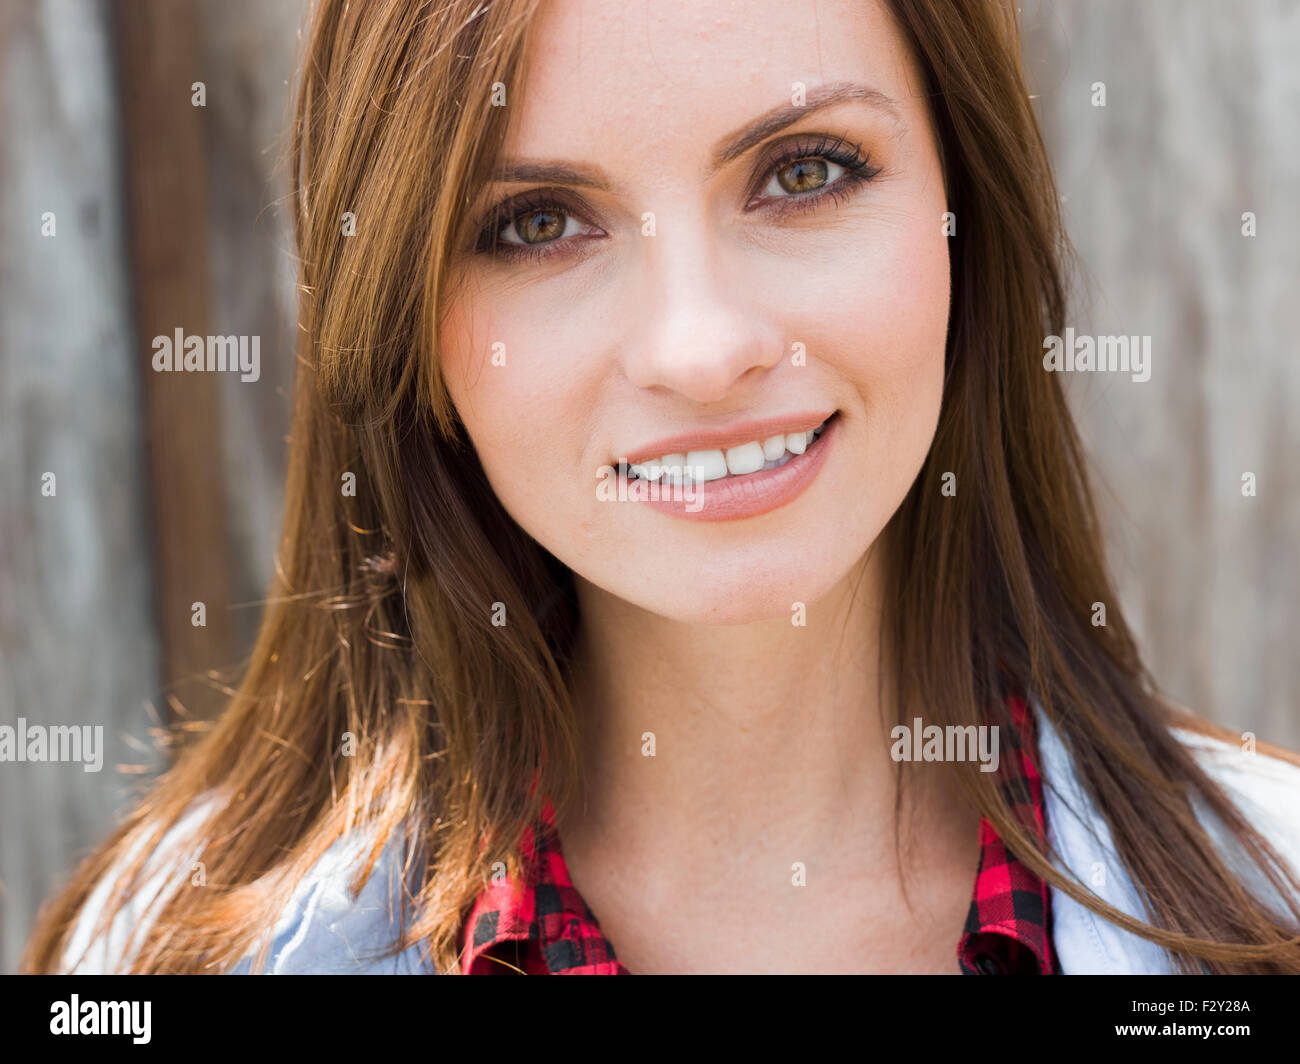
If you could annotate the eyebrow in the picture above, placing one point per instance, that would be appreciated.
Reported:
(735, 144)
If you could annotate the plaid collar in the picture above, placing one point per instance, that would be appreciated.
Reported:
(1007, 925)
(540, 925)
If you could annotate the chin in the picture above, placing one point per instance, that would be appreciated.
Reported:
(703, 593)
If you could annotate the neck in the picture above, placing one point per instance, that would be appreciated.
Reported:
(771, 770)
(694, 737)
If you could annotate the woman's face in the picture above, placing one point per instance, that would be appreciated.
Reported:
(744, 224)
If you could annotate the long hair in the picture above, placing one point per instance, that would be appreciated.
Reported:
(380, 697)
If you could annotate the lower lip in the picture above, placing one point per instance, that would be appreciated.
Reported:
(733, 498)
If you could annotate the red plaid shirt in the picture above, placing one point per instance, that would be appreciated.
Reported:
(542, 926)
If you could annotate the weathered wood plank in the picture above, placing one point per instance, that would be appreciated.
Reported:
(166, 187)
(77, 642)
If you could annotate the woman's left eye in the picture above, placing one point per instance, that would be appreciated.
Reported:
(803, 175)
(830, 168)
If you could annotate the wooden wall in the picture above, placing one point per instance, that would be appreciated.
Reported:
(1199, 126)
(168, 489)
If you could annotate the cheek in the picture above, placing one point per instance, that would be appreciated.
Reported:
(906, 316)
(885, 326)
(523, 400)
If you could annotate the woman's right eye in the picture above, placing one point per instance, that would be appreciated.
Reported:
(538, 227)
(530, 229)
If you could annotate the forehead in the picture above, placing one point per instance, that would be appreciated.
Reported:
(657, 72)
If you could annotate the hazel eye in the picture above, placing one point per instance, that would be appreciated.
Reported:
(803, 175)
(542, 226)
(534, 226)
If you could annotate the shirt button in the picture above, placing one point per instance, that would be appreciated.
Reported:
(988, 965)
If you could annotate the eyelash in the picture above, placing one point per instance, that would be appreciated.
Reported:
(858, 170)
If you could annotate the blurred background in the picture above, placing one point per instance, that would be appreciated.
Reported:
(127, 210)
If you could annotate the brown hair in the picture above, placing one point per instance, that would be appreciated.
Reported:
(378, 624)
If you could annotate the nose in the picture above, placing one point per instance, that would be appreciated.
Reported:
(704, 325)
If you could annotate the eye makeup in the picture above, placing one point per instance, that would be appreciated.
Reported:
(556, 205)
(542, 201)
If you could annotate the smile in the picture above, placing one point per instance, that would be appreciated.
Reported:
(744, 460)
(726, 484)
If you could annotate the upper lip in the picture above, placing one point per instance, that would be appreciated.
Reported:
(725, 436)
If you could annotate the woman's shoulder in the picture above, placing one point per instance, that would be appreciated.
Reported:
(323, 928)
(327, 930)
(1262, 779)
(1262, 782)
(92, 950)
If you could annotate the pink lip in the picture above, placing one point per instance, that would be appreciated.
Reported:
(733, 498)
(731, 436)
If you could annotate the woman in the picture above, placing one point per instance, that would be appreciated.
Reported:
(675, 474)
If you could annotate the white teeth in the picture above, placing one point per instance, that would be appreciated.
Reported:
(673, 467)
(706, 465)
(746, 458)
